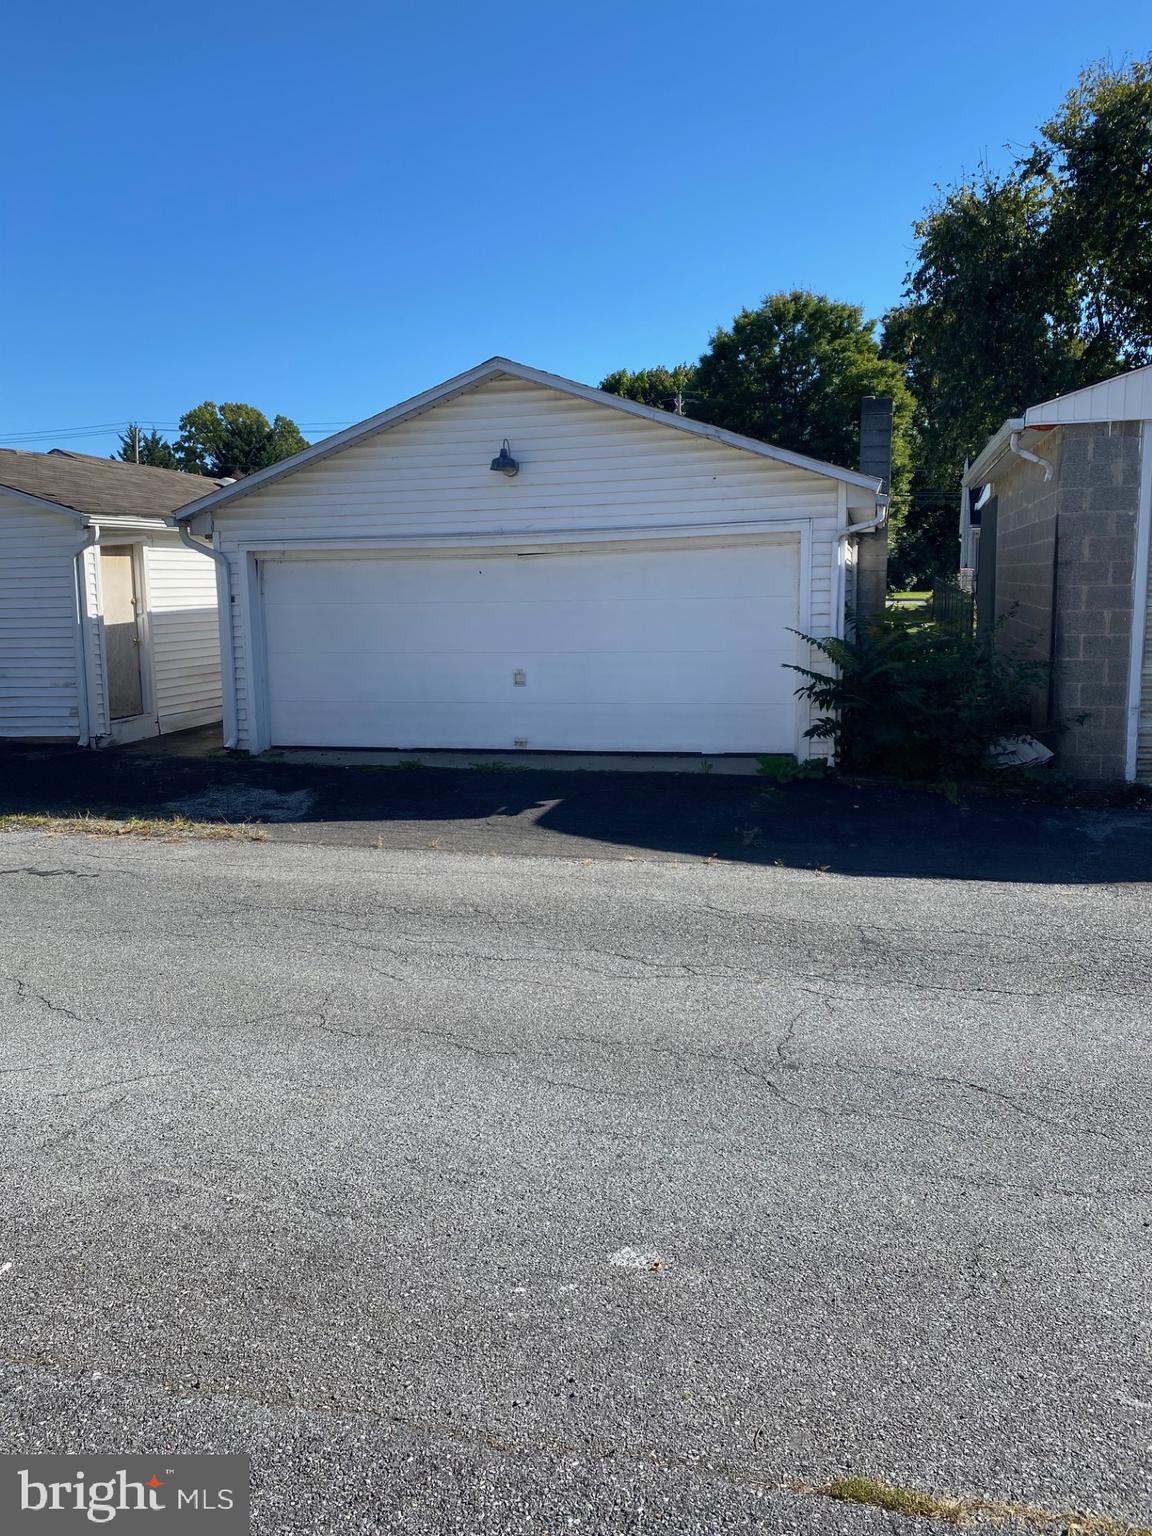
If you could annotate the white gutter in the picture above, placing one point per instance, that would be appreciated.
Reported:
(1024, 453)
(1139, 603)
(224, 619)
(979, 472)
(91, 534)
(851, 529)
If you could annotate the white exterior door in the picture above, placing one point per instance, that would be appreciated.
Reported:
(675, 648)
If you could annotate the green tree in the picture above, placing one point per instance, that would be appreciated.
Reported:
(659, 387)
(1096, 155)
(987, 326)
(1025, 286)
(140, 447)
(793, 371)
(233, 440)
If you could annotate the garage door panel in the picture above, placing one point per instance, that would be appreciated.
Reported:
(656, 624)
(679, 728)
(701, 678)
(637, 650)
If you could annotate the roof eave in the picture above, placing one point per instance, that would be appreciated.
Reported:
(992, 452)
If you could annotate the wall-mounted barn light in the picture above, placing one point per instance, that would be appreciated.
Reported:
(504, 461)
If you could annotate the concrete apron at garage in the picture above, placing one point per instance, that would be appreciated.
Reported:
(582, 762)
(206, 741)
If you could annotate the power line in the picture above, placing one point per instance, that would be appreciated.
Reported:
(99, 428)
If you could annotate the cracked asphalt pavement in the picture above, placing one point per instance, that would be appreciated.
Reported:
(325, 1154)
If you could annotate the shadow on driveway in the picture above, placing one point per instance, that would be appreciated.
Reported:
(847, 829)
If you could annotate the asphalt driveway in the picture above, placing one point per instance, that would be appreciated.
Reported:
(470, 1192)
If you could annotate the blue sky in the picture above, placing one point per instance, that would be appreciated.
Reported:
(323, 209)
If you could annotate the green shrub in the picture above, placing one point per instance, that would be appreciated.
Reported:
(916, 700)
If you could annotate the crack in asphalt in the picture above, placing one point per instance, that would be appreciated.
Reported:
(45, 874)
(1062, 1126)
(24, 993)
(116, 1082)
(74, 1130)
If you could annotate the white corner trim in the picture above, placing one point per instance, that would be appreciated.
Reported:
(1139, 602)
(83, 681)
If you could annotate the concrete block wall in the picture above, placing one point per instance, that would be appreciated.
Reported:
(1099, 492)
(1065, 551)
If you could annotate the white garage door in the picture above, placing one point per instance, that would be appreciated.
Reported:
(650, 650)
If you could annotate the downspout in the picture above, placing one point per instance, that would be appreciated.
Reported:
(1033, 458)
(849, 531)
(224, 618)
(869, 527)
(1139, 604)
(84, 716)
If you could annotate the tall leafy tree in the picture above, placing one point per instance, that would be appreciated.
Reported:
(668, 389)
(793, 371)
(1024, 286)
(140, 447)
(1096, 154)
(790, 372)
(988, 324)
(233, 440)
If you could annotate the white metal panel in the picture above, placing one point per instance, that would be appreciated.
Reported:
(184, 635)
(597, 650)
(38, 651)
(1127, 397)
(585, 467)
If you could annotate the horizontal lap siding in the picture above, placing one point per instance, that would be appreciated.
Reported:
(584, 467)
(38, 693)
(185, 635)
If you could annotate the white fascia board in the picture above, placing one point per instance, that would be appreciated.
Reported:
(502, 367)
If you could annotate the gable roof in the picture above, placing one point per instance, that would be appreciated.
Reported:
(1127, 397)
(503, 367)
(91, 487)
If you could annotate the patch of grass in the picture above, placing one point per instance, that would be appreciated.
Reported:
(786, 770)
(165, 829)
(890, 1496)
(496, 765)
(915, 1503)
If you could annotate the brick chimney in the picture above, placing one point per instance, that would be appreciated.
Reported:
(872, 548)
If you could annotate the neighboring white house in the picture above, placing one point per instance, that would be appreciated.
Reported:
(515, 561)
(108, 623)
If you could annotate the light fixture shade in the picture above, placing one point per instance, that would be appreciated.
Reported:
(504, 462)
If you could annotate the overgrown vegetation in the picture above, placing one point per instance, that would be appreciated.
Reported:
(916, 700)
(168, 829)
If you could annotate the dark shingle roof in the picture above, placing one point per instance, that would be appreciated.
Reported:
(101, 487)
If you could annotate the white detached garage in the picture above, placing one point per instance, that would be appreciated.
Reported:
(514, 561)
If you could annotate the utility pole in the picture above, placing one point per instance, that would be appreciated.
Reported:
(136, 441)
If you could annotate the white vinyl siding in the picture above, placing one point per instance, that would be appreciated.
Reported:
(585, 467)
(38, 671)
(184, 635)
